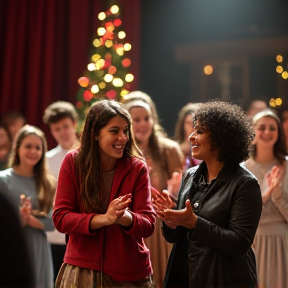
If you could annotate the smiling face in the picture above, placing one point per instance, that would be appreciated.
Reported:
(112, 139)
(266, 132)
(201, 144)
(30, 150)
(142, 123)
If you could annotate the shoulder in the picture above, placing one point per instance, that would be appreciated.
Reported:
(247, 166)
(170, 148)
(69, 158)
(6, 177)
(249, 163)
(129, 162)
(72, 154)
(168, 143)
(246, 173)
(52, 152)
(6, 173)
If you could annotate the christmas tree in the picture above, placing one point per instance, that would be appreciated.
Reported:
(107, 75)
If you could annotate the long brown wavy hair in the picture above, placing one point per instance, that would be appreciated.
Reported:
(87, 161)
(45, 183)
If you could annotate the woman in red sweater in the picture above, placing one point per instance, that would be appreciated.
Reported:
(103, 204)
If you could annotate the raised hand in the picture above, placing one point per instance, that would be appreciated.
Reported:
(174, 218)
(25, 209)
(275, 176)
(274, 179)
(117, 208)
(173, 184)
(163, 201)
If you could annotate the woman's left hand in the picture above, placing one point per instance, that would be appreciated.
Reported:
(184, 217)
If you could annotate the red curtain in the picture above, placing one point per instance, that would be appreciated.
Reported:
(44, 49)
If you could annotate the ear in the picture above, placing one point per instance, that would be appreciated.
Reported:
(96, 138)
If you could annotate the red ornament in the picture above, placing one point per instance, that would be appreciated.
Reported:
(88, 95)
(126, 62)
(79, 104)
(117, 22)
(111, 94)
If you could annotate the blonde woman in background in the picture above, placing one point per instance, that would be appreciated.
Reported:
(29, 186)
(268, 164)
(164, 157)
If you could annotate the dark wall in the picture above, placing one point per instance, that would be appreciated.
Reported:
(166, 23)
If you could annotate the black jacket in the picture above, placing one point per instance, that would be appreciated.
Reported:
(217, 252)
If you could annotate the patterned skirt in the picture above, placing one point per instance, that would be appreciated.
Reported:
(71, 276)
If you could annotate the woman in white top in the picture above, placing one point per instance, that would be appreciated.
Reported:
(268, 164)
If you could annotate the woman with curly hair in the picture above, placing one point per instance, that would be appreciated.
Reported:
(268, 164)
(219, 206)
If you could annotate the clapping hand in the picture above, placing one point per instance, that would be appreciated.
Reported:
(173, 185)
(274, 178)
(173, 218)
(117, 208)
(25, 208)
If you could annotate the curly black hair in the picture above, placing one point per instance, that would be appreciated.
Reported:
(230, 129)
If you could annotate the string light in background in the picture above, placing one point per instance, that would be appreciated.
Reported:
(208, 69)
(274, 103)
(282, 67)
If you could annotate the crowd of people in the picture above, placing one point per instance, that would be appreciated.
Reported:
(125, 205)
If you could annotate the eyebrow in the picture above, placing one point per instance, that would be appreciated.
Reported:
(117, 127)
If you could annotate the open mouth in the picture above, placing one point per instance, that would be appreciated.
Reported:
(119, 147)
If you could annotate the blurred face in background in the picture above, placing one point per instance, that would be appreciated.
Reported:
(188, 126)
(266, 132)
(30, 150)
(142, 123)
(255, 107)
(64, 132)
(15, 125)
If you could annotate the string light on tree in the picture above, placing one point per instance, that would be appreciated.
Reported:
(107, 74)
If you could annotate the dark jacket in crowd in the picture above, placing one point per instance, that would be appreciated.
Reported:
(217, 252)
(15, 264)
